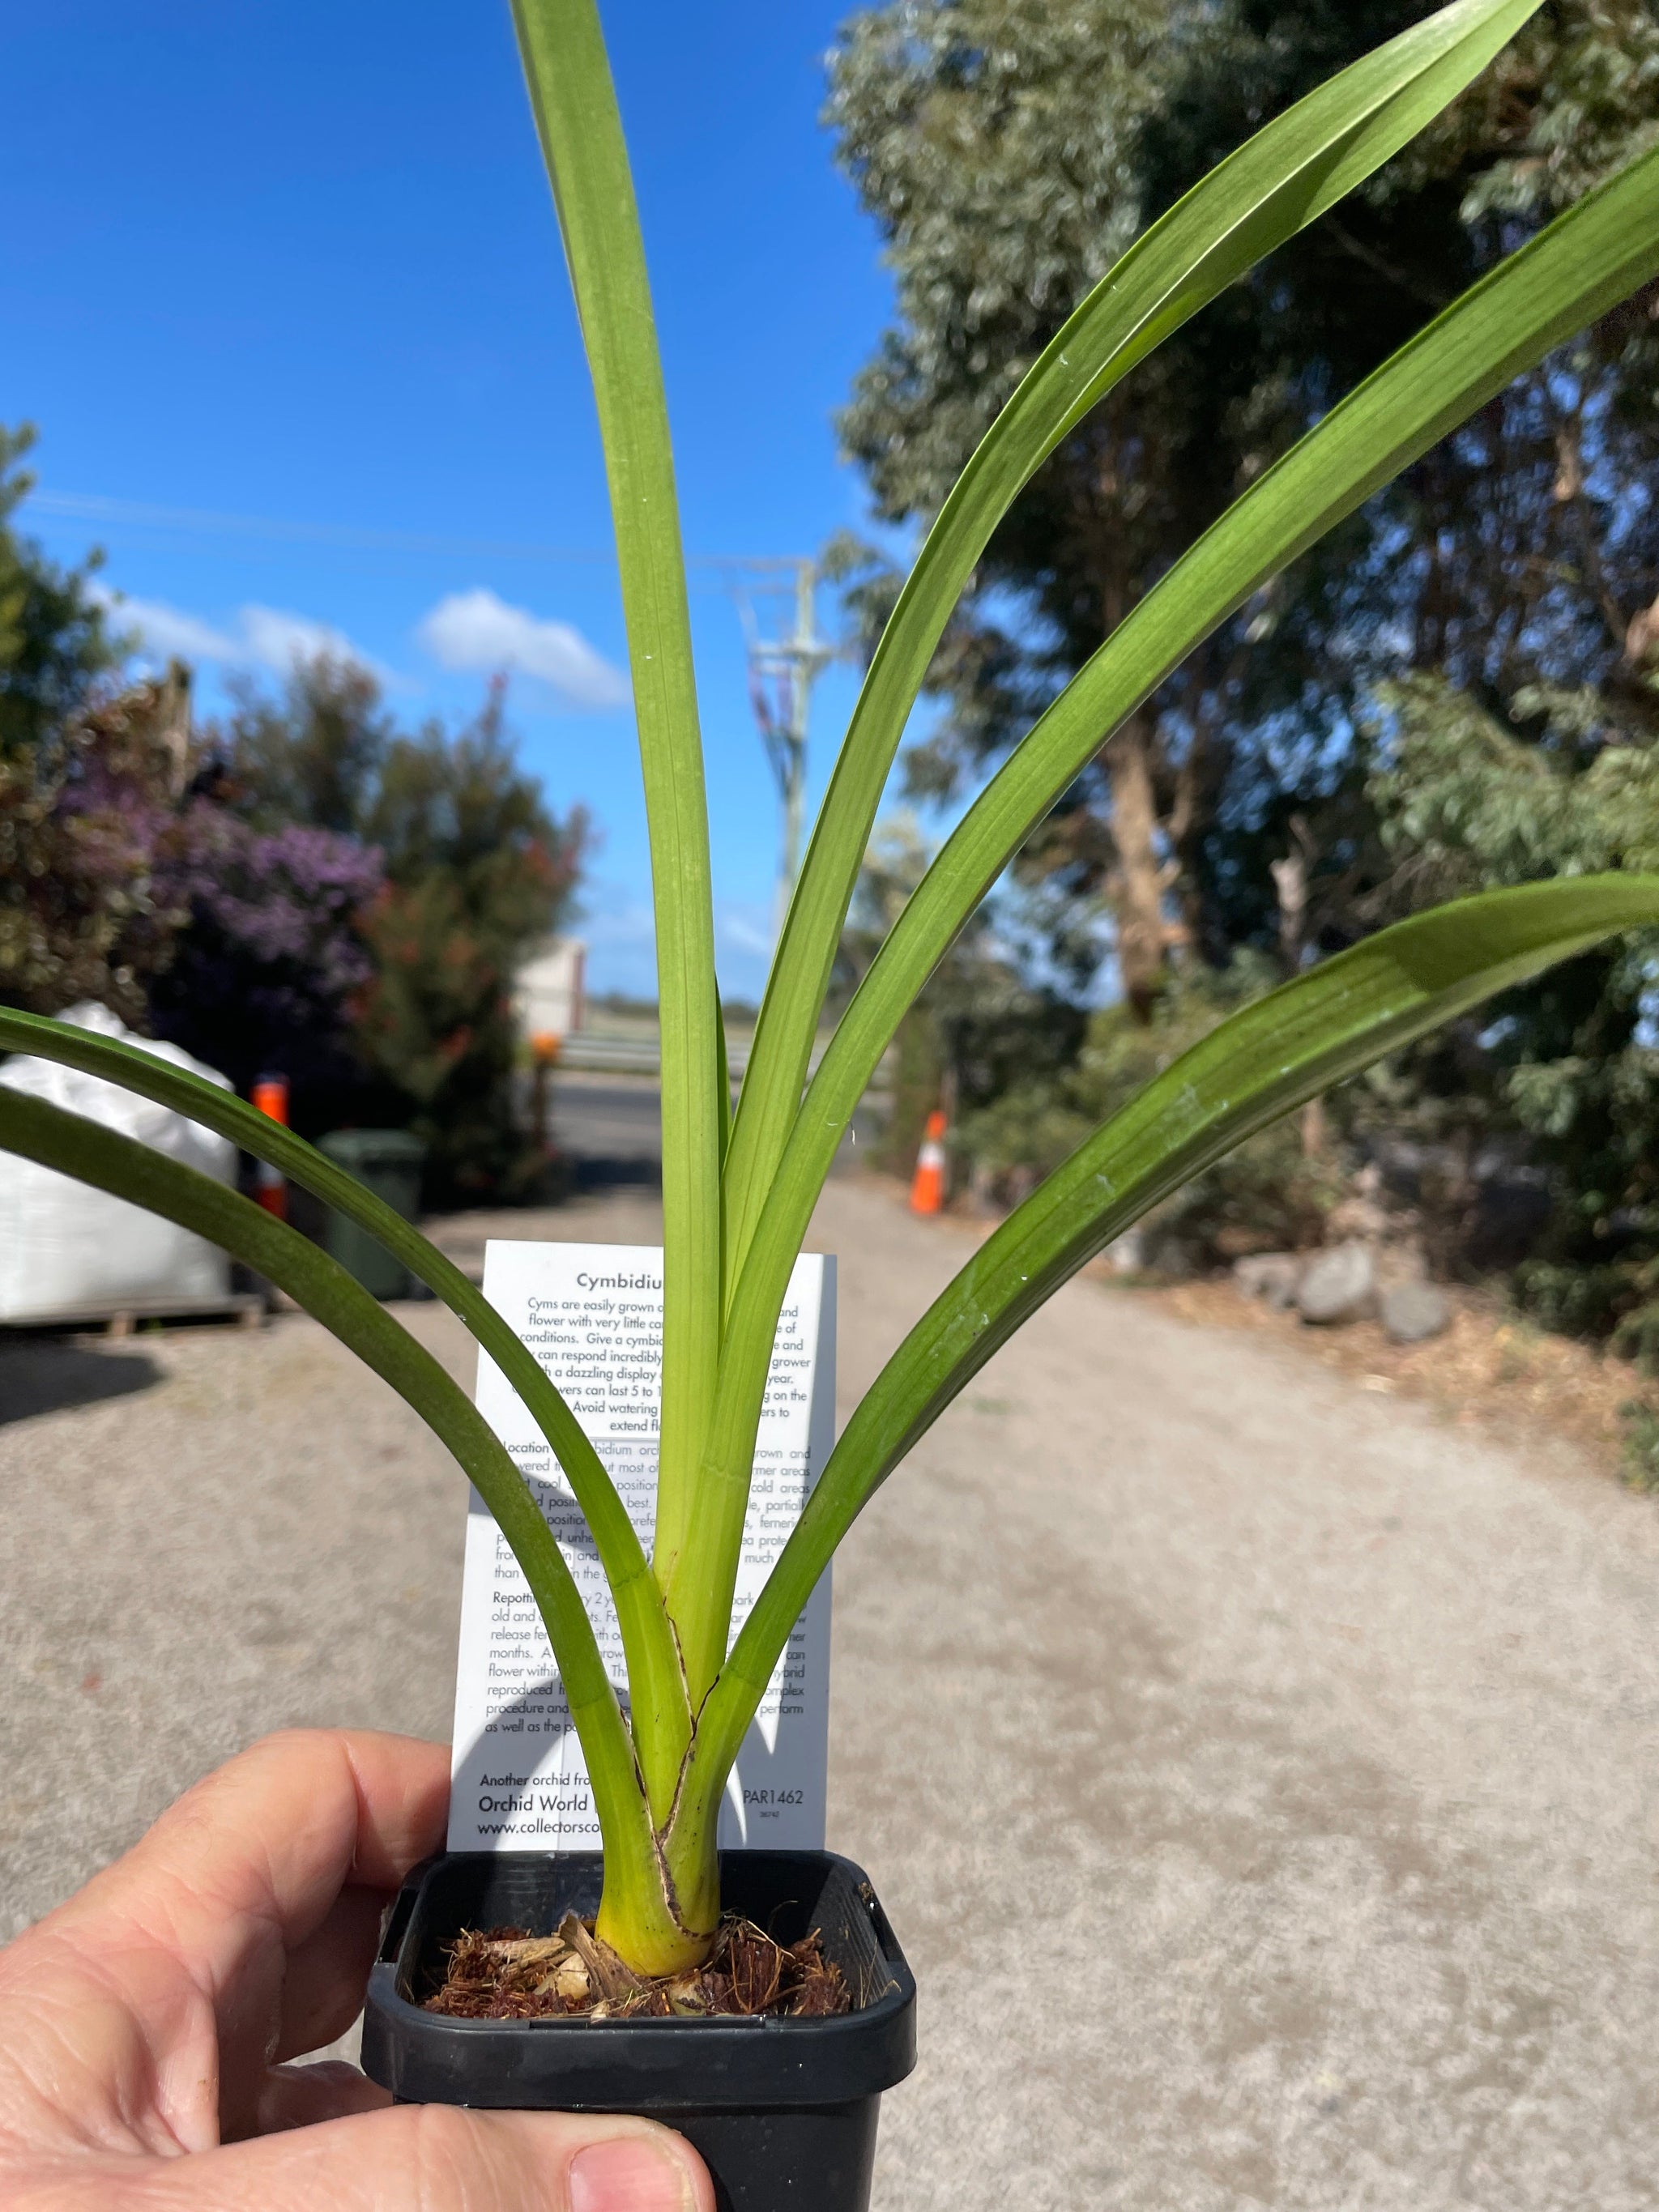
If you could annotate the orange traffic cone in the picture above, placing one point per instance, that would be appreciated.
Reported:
(269, 1185)
(927, 1185)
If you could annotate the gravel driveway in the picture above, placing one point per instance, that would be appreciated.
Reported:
(1261, 1776)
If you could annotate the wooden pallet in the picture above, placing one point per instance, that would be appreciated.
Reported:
(120, 1318)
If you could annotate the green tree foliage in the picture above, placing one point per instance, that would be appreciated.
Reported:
(1454, 691)
(1496, 606)
(1569, 1067)
(995, 143)
(1513, 555)
(1007, 150)
(87, 815)
(978, 1029)
(310, 752)
(88, 775)
(1273, 1194)
(477, 873)
(54, 643)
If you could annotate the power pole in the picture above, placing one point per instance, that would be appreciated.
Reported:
(784, 663)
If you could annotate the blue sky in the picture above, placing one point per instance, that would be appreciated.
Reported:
(298, 263)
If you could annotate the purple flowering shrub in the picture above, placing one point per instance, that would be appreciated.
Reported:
(271, 967)
(83, 813)
(304, 891)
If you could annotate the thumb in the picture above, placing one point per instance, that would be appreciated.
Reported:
(439, 2157)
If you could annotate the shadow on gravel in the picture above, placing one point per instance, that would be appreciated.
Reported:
(38, 1375)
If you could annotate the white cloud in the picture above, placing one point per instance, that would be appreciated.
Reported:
(277, 640)
(264, 637)
(742, 930)
(164, 629)
(476, 631)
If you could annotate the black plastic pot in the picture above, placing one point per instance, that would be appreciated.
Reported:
(783, 2111)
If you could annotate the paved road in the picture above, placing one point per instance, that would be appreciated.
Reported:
(1263, 1777)
(611, 1125)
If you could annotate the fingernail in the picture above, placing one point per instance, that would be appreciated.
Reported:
(632, 2173)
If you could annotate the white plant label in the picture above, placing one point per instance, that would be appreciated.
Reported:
(591, 1314)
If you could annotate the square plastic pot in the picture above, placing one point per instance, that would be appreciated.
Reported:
(783, 2111)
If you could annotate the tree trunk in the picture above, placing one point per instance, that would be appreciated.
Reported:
(1137, 890)
(1290, 878)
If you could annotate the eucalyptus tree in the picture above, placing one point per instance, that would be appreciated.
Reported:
(54, 640)
(1518, 550)
(996, 143)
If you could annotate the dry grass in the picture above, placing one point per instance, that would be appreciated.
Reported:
(1490, 1369)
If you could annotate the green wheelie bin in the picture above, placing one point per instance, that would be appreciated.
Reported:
(387, 1162)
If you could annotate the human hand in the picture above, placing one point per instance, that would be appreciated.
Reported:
(144, 2024)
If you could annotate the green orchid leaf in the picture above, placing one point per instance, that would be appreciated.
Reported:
(1588, 260)
(661, 1716)
(1258, 1064)
(1285, 177)
(568, 74)
(38, 1131)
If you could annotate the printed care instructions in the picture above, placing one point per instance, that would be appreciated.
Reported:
(592, 1316)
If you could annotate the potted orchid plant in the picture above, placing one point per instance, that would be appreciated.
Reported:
(787, 2114)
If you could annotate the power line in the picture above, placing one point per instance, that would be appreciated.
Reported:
(785, 655)
(89, 506)
(205, 522)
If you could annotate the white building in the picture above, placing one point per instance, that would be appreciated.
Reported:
(547, 998)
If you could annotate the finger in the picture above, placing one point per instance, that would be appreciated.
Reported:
(275, 1834)
(188, 1934)
(440, 2157)
(327, 1974)
(304, 2096)
(263, 1846)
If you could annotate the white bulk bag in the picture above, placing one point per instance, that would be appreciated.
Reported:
(63, 1244)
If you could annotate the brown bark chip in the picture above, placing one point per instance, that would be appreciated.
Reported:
(505, 1973)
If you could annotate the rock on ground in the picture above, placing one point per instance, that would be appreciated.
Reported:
(1271, 1276)
(1338, 1286)
(1411, 1312)
(1290, 1758)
